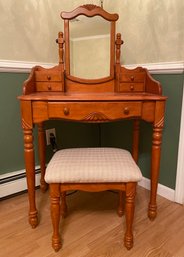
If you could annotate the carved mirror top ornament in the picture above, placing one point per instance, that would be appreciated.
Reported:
(89, 10)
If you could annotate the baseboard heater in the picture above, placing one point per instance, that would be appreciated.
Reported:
(15, 183)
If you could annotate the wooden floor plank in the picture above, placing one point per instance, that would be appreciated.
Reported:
(92, 228)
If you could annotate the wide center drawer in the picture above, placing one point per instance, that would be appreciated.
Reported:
(94, 111)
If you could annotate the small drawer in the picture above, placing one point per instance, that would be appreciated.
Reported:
(94, 111)
(131, 87)
(132, 77)
(48, 76)
(49, 86)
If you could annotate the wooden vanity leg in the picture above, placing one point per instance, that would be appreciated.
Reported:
(136, 135)
(41, 149)
(129, 214)
(155, 166)
(30, 175)
(55, 215)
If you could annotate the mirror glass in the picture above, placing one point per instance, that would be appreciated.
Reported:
(89, 47)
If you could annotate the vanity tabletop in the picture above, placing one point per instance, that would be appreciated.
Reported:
(114, 96)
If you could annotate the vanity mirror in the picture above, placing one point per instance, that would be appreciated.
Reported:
(89, 44)
(89, 47)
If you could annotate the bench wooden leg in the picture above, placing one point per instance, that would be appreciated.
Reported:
(121, 203)
(63, 204)
(129, 213)
(55, 215)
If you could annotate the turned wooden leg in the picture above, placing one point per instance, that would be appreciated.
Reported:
(30, 174)
(121, 203)
(129, 214)
(135, 145)
(155, 165)
(55, 215)
(63, 204)
(41, 150)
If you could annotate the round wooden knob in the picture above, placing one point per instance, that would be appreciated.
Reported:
(48, 77)
(132, 87)
(66, 111)
(126, 110)
(49, 87)
(132, 78)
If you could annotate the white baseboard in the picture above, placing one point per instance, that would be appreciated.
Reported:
(18, 185)
(164, 191)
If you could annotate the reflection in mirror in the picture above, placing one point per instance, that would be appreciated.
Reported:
(89, 47)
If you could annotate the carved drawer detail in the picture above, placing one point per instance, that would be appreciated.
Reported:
(94, 111)
(96, 116)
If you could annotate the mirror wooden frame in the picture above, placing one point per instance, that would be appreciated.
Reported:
(90, 11)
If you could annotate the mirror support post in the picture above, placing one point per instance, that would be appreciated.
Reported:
(60, 42)
(118, 43)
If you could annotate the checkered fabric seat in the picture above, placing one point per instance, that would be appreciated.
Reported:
(92, 165)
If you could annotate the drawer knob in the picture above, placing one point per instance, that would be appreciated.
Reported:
(66, 111)
(132, 87)
(126, 110)
(132, 78)
(49, 87)
(49, 77)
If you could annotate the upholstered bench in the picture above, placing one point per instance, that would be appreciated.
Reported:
(91, 169)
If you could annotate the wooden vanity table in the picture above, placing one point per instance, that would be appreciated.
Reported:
(57, 93)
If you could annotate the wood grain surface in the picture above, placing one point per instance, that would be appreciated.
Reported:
(92, 228)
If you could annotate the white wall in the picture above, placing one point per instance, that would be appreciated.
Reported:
(28, 28)
(152, 30)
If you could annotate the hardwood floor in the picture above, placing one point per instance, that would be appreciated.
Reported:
(92, 228)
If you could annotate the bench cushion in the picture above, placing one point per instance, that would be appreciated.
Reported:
(91, 165)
